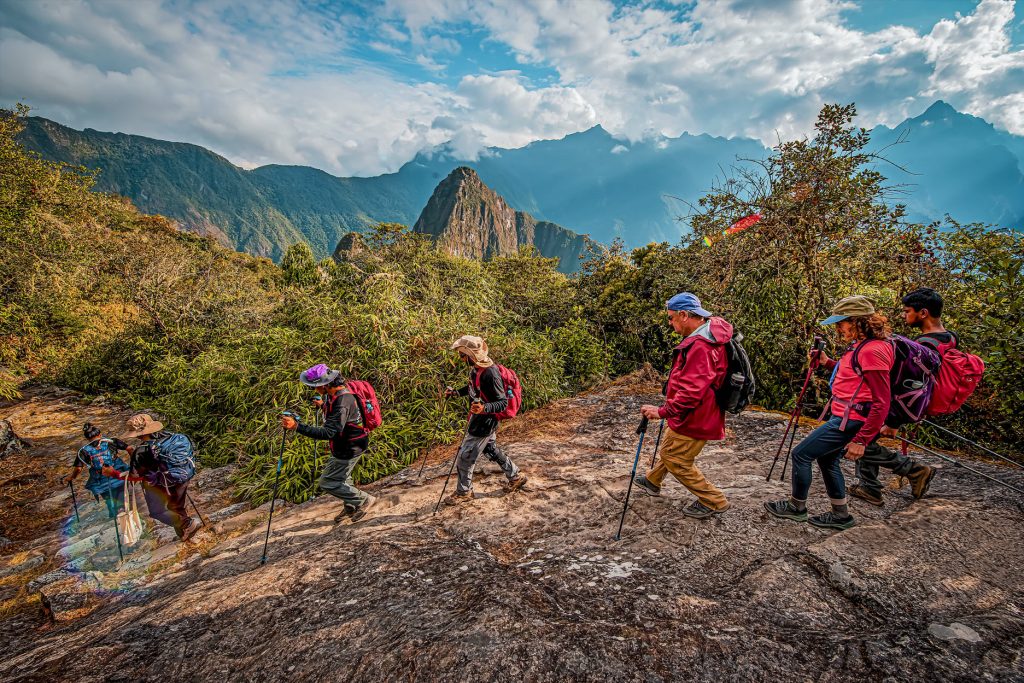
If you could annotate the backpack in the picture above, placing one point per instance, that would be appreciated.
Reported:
(738, 387)
(366, 399)
(911, 380)
(959, 375)
(175, 456)
(513, 392)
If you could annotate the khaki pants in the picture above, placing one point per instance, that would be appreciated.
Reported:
(678, 454)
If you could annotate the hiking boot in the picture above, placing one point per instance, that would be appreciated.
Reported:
(646, 486)
(190, 531)
(785, 510)
(516, 482)
(458, 498)
(864, 493)
(344, 514)
(829, 520)
(698, 510)
(361, 511)
(920, 479)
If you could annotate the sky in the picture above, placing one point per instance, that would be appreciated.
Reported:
(361, 87)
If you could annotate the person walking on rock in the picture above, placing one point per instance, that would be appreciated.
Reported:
(860, 404)
(691, 407)
(489, 396)
(345, 430)
(922, 309)
(98, 453)
(164, 463)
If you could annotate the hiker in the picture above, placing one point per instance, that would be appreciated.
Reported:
(164, 464)
(490, 400)
(860, 404)
(922, 309)
(691, 407)
(98, 453)
(345, 430)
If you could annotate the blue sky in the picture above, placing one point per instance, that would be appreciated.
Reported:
(358, 88)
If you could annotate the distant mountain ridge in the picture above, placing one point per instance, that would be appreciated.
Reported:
(466, 218)
(590, 181)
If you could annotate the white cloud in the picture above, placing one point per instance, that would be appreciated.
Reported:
(280, 81)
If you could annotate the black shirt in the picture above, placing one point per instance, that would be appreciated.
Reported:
(933, 339)
(492, 393)
(342, 427)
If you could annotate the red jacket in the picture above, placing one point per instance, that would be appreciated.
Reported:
(698, 369)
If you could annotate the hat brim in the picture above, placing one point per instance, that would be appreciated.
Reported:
(833, 319)
(322, 382)
(151, 428)
(702, 312)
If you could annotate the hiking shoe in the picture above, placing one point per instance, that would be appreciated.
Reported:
(646, 486)
(344, 514)
(361, 511)
(516, 482)
(190, 531)
(829, 520)
(458, 498)
(785, 510)
(699, 510)
(864, 493)
(920, 479)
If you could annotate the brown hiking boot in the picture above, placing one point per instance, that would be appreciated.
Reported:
(190, 531)
(361, 511)
(344, 514)
(920, 479)
(864, 493)
(458, 498)
(516, 482)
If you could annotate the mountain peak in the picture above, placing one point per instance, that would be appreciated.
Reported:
(939, 111)
(467, 218)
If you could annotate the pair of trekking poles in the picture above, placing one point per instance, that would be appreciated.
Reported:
(794, 422)
(642, 431)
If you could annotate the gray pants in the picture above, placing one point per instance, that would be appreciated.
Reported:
(470, 450)
(337, 481)
(876, 456)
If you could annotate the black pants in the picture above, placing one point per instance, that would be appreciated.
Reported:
(877, 456)
(167, 505)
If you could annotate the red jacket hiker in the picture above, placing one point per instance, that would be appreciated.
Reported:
(698, 369)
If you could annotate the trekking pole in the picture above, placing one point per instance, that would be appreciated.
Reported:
(641, 430)
(794, 417)
(196, 508)
(445, 487)
(957, 463)
(117, 535)
(277, 479)
(976, 445)
(74, 500)
(657, 443)
(792, 439)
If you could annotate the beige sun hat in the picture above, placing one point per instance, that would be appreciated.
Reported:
(475, 347)
(142, 424)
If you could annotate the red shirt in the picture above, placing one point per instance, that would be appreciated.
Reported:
(876, 355)
(698, 369)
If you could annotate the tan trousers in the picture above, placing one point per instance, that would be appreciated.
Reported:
(678, 454)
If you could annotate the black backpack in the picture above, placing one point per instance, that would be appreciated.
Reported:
(738, 387)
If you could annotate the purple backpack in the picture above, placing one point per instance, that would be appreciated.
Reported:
(911, 380)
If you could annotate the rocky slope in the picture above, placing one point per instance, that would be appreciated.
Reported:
(532, 586)
(467, 218)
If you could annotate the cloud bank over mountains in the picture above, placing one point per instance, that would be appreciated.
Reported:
(359, 89)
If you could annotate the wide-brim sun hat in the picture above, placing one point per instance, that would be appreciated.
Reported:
(141, 425)
(318, 376)
(475, 348)
(849, 307)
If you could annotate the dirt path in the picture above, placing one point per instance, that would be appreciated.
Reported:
(531, 586)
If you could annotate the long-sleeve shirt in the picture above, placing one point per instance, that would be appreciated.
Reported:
(342, 427)
(485, 384)
(698, 368)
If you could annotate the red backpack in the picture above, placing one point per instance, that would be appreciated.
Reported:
(366, 399)
(959, 376)
(513, 391)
